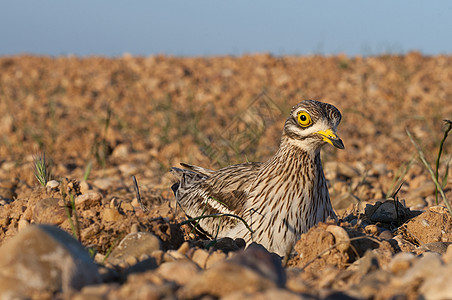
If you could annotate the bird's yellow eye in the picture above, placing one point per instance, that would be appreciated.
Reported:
(304, 119)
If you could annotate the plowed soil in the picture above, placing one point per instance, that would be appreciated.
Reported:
(101, 120)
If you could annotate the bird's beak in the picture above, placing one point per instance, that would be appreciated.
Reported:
(331, 137)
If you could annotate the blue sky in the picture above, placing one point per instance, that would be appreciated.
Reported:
(198, 28)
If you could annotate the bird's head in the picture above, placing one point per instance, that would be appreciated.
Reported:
(312, 124)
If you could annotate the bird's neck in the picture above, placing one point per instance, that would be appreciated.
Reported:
(293, 154)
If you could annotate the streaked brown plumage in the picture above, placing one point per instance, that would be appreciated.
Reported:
(280, 199)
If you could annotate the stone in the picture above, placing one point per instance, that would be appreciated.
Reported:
(386, 213)
(226, 244)
(367, 264)
(52, 184)
(183, 249)
(427, 266)
(266, 295)
(22, 224)
(48, 211)
(439, 209)
(437, 286)
(105, 183)
(340, 236)
(438, 247)
(447, 257)
(121, 151)
(98, 291)
(128, 169)
(401, 262)
(343, 201)
(416, 202)
(85, 187)
(372, 229)
(111, 215)
(136, 266)
(295, 283)
(87, 200)
(44, 258)
(200, 257)
(214, 258)
(386, 235)
(176, 255)
(425, 189)
(134, 244)
(252, 270)
(135, 202)
(181, 272)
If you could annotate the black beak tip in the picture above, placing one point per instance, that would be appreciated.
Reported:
(338, 144)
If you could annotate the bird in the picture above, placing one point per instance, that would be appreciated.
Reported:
(273, 202)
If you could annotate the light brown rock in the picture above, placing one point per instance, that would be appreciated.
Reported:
(401, 262)
(52, 184)
(252, 270)
(135, 245)
(270, 294)
(87, 200)
(225, 278)
(200, 257)
(214, 258)
(181, 272)
(111, 215)
(48, 211)
(340, 236)
(437, 286)
(44, 258)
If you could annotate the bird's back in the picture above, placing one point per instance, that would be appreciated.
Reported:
(202, 192)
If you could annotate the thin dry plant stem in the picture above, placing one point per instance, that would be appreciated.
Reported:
(137, 193)
(432, 173)
(440, 151)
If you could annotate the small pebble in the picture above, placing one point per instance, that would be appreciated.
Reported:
(131, 260)
(144, 257)
(341, 237)
(240, 243)
(135, 202)
(447, 257)
(401, 262)
(214, 258)
(84, 187)
(184, 248)
(200, 257)
(87, 200)
(438, 209)
(114, 203)
(176, 254)
(134, 228)
(22, 224)
(386, 235)
(53, 184)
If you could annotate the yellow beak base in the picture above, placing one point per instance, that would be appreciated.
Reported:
(331, 138)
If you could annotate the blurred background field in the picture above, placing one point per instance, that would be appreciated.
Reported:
(146, 114)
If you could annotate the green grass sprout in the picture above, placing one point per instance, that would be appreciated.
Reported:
(41, 168)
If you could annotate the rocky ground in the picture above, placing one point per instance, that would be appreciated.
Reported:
(101, 121)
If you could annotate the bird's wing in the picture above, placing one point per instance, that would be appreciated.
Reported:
(200, 170)
(224, 191)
